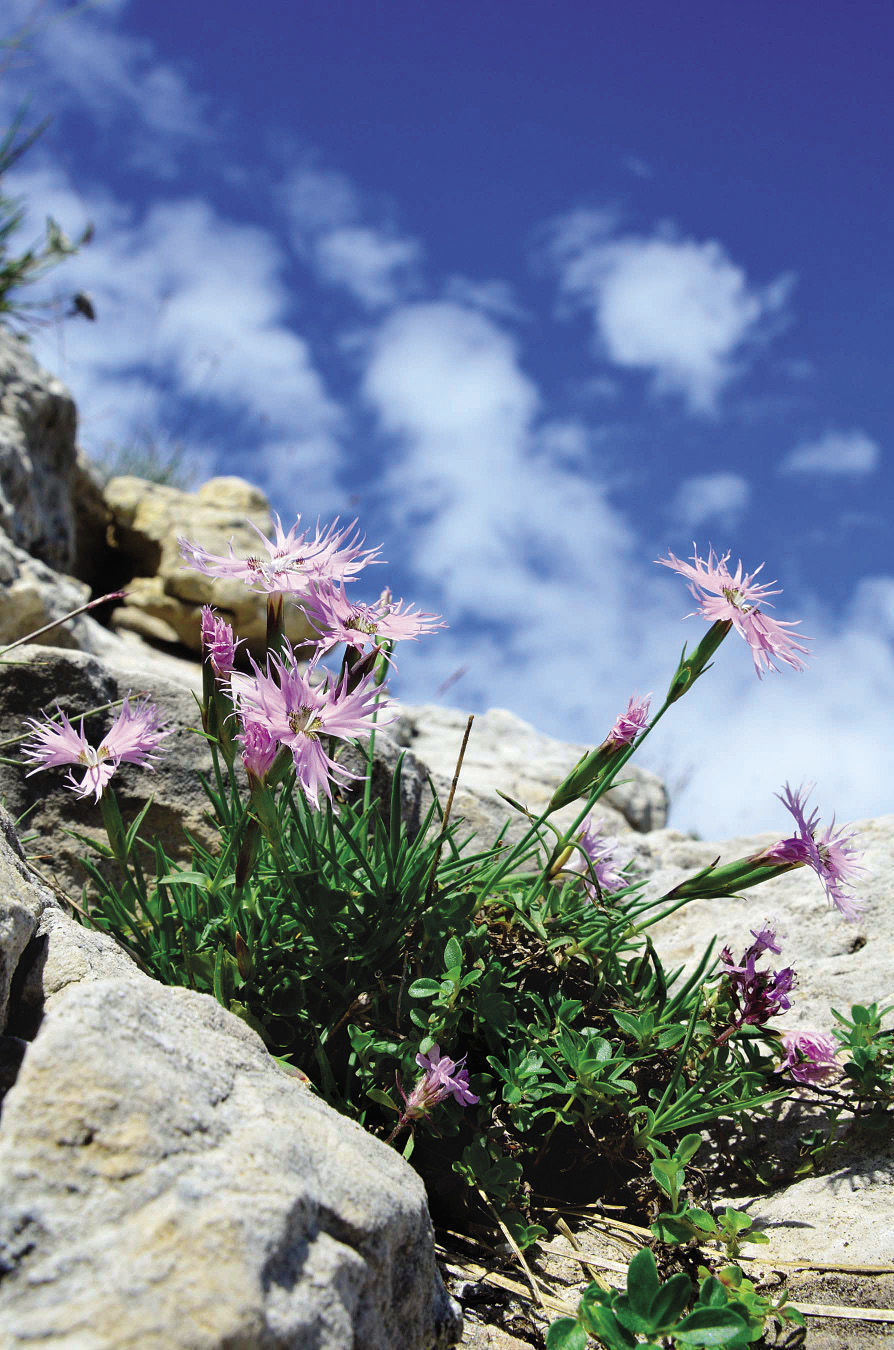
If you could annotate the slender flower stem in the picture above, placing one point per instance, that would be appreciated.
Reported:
(73, 614)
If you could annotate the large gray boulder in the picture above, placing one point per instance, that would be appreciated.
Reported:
(165, 1184)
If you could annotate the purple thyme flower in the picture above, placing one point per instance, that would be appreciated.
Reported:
(217, 642)
(594, 854)
(337, 620)
(133, 736)
(809, 1056)
(440, 1079)
(736, 599)
(259, 749)
(757, 995)
(832, 855)
(293, 562)
(303, 715)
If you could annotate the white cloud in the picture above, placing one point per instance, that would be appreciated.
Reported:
(376, 269)
(317, 200)
(190, 314)
(507, 525)
(719, 497)
(678, 308)
(493, 297)
(76, 58)
(374, 263)
(850, 454)
(558, 614)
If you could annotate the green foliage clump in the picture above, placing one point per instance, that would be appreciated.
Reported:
(725, 1310)
(350, 945)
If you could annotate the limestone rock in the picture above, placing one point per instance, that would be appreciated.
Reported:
(22, 901)
(32, 595)
(37, 457)
(837, 963)
(506, 753)
(164, 1183)
(165, 598)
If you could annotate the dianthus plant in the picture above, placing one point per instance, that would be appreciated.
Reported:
(516, 973)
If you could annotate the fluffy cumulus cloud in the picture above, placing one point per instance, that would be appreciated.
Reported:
(840, 454)
(374, 263)
(506, 522)
(678, 308)
(376, 269)
(78, 57)
(190, 312)
(718, 498)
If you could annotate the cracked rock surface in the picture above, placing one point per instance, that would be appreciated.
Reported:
(164, 1183)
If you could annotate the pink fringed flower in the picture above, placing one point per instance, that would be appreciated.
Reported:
(809, 1056)
(595, 854)
(293, 560)
(629, 724)
(831, 855)
(303, 715)
(218, 643)
(736, 599)
(133, 736)
(337, 620)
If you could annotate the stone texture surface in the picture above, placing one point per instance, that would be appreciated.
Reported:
(837, 963)
(32, 595)
(506, 753)
(164, 599)
(22, 901)
(37, 457)
(164, 1184)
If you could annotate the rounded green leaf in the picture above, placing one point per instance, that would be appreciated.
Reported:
(712, 1326)
(453, 954)
(642, 1282)
(566, 1334)
(424, 988)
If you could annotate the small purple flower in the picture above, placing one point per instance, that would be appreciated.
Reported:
(293, 560)
(259, 750)
(832, 855)
(303, 715)
(757, 995)
(441, 1078)
(218, 643)
(629, 724)
(809, 1056)
(736, 598)
(132, 737)
(594, 854)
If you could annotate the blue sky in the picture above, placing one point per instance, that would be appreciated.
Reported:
(537, 291)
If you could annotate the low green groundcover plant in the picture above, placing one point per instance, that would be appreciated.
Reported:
(510, 986)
